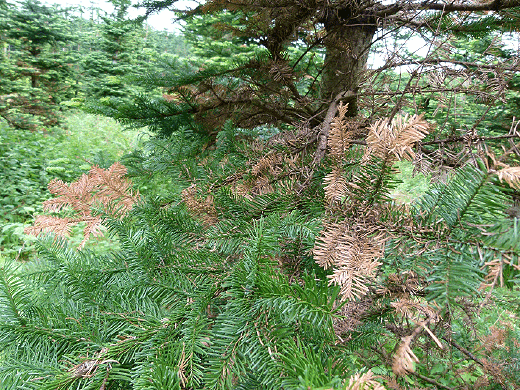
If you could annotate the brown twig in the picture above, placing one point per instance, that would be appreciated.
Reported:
(475, 139)
(463, 350)
(432, 381)
(438, 61)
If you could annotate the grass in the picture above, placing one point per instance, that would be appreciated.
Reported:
(93, 138)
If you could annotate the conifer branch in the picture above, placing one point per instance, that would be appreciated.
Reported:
(106, 188)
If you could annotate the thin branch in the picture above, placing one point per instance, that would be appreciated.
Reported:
(463, 350)
(397, 105)
(437, 61)
(474, 139)
(325, 129)
(432, 381)
(494, 5)
(426, 5)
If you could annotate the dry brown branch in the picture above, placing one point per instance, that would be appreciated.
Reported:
(364, 382)
(351, 315)
(414, 310)
(340, 134)
(335, 185)
(402, 285)
(397, 138)
(326, 126)
(266, 164)
(404, 358)
(105, 188)
(352, 255)
(88, 368)
(495, 339)
(204, 209)
(511, 175)
(326, 248)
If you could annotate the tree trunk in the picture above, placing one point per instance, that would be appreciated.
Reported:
(347, 46)
(347, 43)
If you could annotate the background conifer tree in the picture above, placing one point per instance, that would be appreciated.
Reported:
(34, 69)
(213, 42)
(111, 55)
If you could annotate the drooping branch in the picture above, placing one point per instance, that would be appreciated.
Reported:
(495, 5)
(473, 139)
(108, 188)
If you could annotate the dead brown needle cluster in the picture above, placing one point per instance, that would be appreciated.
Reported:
(395, 139)
(105, 188)
(353, 256)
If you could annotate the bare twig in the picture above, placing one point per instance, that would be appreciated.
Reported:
(463, 350)
(475, 139)
(432, 381)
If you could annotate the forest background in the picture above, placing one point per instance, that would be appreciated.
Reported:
(294, 194)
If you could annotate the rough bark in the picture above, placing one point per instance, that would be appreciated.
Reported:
(347, 44)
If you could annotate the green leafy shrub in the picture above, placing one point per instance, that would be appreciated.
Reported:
(23, 180)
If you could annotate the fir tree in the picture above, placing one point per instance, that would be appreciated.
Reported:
(215, 46)
(35, 70)
(112, 55)
(311, 55)
(249, 273)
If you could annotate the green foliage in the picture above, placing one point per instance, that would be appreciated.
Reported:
(110, 58)
(186, 299)
(222, 291)
(53, 58)
(34, 71)
(23, 172)
(173, 328)
(213, 42)
(252, 262)
(411, 185)
(224, 61)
